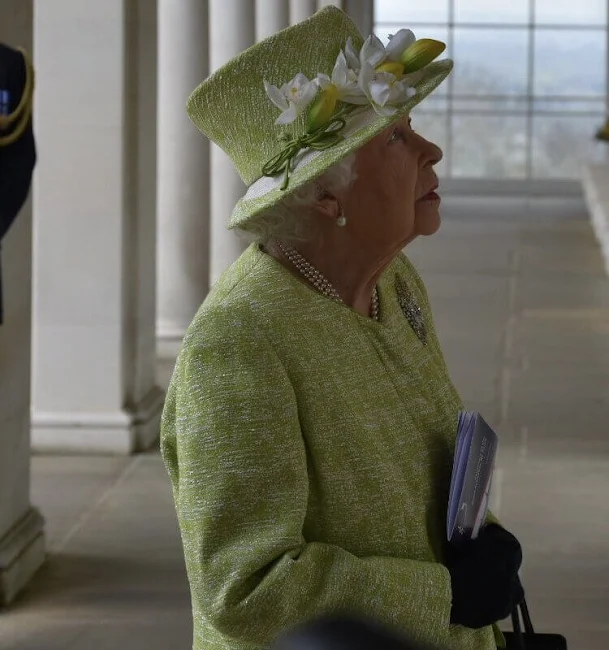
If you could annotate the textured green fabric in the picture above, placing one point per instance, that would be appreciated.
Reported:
(232, 109)
(310, 450)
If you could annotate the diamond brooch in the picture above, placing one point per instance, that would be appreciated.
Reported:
(411, 310)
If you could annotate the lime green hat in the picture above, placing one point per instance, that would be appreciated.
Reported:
(288, 108)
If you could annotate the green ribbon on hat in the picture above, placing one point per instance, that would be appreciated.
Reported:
(320, 139)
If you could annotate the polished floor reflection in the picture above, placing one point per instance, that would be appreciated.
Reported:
(522, 306)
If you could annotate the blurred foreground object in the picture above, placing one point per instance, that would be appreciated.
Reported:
(343, 633)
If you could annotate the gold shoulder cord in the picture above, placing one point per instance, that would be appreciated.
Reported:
(21, 115)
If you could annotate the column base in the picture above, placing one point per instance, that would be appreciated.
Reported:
(169, 341)
(21, 555)
(121, 433)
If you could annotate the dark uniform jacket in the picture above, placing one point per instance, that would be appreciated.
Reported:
(17, 159)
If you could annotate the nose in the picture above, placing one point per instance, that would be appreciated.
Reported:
(431, 153)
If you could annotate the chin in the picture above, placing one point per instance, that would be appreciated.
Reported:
(428, 221)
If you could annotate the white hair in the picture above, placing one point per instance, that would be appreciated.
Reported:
(293, 219)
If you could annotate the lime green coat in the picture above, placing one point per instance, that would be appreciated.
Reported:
(310, 450)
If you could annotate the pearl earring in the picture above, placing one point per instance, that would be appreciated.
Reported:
(341, 222)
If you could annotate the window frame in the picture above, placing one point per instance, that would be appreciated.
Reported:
(530, 184)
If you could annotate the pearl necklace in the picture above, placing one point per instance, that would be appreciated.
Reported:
(322, 284)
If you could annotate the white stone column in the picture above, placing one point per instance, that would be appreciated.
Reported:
(183, 172)
(362, 13)
(335, 3)
(94, 365)
(21, 525)
(232, 30)
(271, 17)
(301, 10)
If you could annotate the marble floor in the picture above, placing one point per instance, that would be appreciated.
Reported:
(522, 306)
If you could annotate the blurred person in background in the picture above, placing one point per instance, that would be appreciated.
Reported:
(17, 148)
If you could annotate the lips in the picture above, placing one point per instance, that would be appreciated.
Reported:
(431, 194)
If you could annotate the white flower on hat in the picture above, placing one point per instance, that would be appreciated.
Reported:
(345, 81)
(375, 53)
(384, 90)
(342, 86)
(383, 70)
(292, 98)
(380, 71)
(352, 56)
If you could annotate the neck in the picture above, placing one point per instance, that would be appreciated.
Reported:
(352, 273)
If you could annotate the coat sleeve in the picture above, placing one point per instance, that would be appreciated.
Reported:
(241, 488)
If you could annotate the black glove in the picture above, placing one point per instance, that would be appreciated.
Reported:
(484, 578)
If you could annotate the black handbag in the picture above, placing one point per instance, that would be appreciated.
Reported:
(527, 638)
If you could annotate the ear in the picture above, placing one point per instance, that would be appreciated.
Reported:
(326, 204)
(329, 207)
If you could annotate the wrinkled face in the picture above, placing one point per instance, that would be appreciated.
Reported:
(393, 196)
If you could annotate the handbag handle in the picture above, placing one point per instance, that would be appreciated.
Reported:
(518, 611)
(526, 617)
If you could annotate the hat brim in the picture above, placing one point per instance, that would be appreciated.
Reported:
(266, 192)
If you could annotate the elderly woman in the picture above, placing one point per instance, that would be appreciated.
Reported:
(310, 423)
